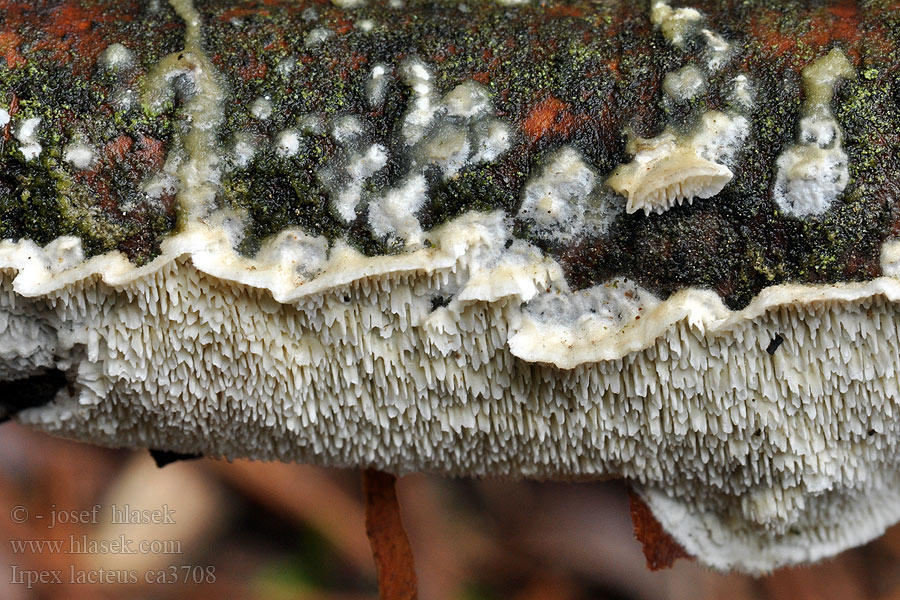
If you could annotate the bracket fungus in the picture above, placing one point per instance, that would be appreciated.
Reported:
(414, 236)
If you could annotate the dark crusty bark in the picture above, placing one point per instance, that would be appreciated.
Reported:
(562, 73)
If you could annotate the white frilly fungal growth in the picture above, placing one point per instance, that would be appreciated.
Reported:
(752, 458)
(675, 24)
(561, 203)
(670, 169)
(813, 172)
(470, 355)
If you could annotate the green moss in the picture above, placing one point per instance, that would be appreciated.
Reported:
(105, 207)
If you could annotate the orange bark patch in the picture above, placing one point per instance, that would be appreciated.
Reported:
(9, 49)
(73, 33)
(118, 148)
(839, 22)
(390, 546)
(151, 153)
(254, 69)
(239, 13)
(565, 11)
(550, 115)
(660, 549)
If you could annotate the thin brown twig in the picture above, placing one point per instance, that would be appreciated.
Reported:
(390, 546)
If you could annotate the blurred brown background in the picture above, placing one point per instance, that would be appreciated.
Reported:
(290, 532)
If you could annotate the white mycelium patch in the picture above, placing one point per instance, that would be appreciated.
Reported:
(446, 134)
(718, 50)
(675, 24)
(286, 66)
(79, 155)
(197, 161)
(359, 167)
(27, 134)
(243, 150)
(422, 110)
(472, 356)
(394, 213)
(117, 57)
(561, 202)
(741, 92)
(814, 172)
(317, 36)
(376, 87)
(670, 169)
(4, 117)
(287, 143)
(684, 84)
(261, 108)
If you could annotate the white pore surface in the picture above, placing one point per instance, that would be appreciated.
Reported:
(469, 354)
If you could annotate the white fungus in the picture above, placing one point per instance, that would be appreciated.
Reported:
(555, 201)
(243, 150)
(287, 143)
(741, 92)
(317, 36)
(670, 169)
(394, 214)
(752, 457)
(261, 108)
(674, 400)
(814, 172)
(26, 133)
(676, 24)
(684, 84)
(359, 168)
(117, 57)
(718, 50)
(286, 66)
(79, 155)
(4, 117)
(376, 87)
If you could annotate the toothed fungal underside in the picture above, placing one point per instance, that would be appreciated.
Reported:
(557, 241)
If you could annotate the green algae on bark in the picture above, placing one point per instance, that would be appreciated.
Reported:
(584, 75)
(56, 71)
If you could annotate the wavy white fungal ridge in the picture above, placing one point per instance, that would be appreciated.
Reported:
(472, 358)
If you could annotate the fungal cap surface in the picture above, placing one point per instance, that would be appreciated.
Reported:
(667, 174)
